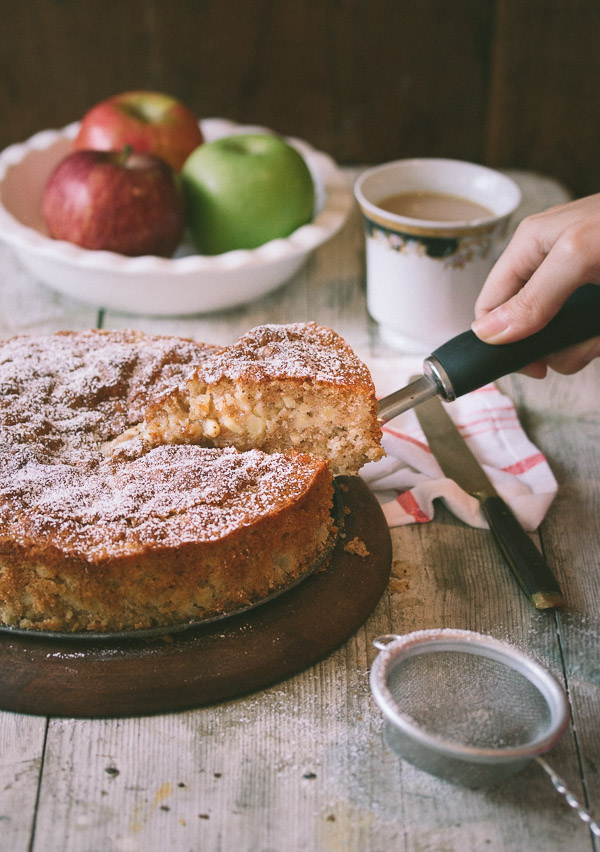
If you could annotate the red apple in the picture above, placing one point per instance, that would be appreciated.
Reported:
(148, 121)
(125, 202)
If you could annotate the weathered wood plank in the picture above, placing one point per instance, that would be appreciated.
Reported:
(561, 414)
(363, 86)
(544, 78)
(507, 83)
(28, 307)
(22, 741)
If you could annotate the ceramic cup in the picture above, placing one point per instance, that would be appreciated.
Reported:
(424, 275)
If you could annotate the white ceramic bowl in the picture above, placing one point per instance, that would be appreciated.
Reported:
(188, 283)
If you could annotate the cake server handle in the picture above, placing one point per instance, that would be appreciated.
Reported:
(466, 363)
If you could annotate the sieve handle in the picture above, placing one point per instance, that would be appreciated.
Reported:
(382, 642)
(560, 785)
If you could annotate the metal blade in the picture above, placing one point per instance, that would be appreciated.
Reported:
(454, 457)
(527, 564)
(415, 393)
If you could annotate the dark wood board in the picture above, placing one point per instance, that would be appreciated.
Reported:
(91, 678)
(531, 71)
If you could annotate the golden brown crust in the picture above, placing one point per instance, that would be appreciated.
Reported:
(182, 549)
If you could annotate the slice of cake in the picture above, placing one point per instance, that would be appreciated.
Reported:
(280, 387)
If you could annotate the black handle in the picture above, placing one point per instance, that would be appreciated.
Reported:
(527, 564)
(470, 364)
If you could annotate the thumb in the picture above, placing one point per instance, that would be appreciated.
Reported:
(575, 358)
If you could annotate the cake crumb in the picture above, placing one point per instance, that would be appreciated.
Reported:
(357, 547)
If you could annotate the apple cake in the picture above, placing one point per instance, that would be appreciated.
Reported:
(279, 388)
(150, 481)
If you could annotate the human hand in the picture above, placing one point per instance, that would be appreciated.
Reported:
(550, 255)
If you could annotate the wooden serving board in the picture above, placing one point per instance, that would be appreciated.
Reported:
(132, 677)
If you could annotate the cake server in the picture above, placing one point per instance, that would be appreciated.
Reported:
(527, 564)
(465, 363)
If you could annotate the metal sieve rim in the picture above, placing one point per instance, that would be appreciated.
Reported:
(393, 648)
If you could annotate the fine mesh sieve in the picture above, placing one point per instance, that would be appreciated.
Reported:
(469, 708)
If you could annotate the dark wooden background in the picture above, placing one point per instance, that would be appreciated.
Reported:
(511, 83)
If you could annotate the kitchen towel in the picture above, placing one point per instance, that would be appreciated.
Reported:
(409, 479)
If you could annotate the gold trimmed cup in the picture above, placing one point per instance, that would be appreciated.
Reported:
(424, 274)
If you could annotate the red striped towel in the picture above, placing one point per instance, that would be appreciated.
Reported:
(409, 479)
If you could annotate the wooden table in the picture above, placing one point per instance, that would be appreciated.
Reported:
(302, 765)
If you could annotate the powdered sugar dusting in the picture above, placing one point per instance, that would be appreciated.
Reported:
(62, 396)
(296, 350)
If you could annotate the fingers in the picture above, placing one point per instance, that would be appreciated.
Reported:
(548, 258)
(537, 370)
(576, 358)
(515, 266)
(567, 362)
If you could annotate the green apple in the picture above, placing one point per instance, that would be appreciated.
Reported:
(244, 190)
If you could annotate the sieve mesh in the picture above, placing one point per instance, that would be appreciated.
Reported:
(468, 699)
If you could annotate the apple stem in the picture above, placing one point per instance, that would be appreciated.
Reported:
(126, 153)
